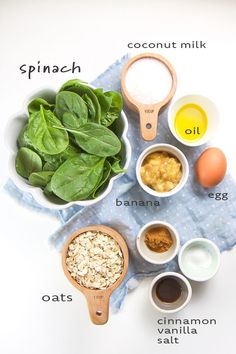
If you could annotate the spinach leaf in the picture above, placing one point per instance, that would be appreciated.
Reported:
(23, 139)
(104, 101)
(117, 102)
(116, 168)
(34, 106)
(54, 161)
(91, 108)
(70, 102)
(114, 110)
(43, 134)
(70, 151)
(70, 121)
(76, 178)
(77, 87)
(96, 139)
(41, 178)
(48, 189)
(73, 143)
(105, 176)
(71, 83)
(49, 166)
(51, 196)
(27, 161)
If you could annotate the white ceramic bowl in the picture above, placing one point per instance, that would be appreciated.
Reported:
(172, 307)
(211, 112)
(172, 150)
(155, 257)
(12, 131)
(199, 259)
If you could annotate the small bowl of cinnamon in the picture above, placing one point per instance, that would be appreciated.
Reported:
(158, 242)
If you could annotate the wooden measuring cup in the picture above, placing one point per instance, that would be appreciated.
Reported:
(148, 113)
(97, 300)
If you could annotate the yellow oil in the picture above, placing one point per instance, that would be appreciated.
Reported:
(191, 122)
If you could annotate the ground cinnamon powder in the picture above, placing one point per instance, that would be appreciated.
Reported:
(158, 239)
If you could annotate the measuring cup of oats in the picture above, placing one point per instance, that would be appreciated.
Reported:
(95, 261)
(148, 83)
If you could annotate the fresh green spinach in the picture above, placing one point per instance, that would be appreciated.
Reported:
(23, 140)
(91, 108)
(96, 139)
(51, 196)
(54, 161)
(43, 134)
(77, 87)
(116, 168)
(69, 149)
(76, 178)
(70, 121)
(71, 104)
(27, 161)
(104, 101)
(34, 105)
(68, 85)
(41, 178)
(114, 110)
(105, 176)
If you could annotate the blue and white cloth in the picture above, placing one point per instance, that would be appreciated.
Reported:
(190, 211)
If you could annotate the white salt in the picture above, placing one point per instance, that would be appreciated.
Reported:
(148, 81)
(197, 257)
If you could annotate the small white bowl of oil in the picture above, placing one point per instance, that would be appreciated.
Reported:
(193, 119)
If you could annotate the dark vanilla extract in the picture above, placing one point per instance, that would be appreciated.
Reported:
(168, 290)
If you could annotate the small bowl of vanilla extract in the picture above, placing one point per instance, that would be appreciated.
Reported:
(170, 292)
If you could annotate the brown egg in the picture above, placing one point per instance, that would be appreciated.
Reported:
(211, 167)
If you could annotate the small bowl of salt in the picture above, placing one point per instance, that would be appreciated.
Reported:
(199, 259)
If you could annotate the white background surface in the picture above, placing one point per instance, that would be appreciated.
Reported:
(94, 34)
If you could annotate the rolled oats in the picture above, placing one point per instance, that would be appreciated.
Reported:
(95, 260)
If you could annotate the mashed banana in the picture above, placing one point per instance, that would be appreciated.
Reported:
(161, 171)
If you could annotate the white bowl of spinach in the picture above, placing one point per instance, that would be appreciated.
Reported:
(70, 146)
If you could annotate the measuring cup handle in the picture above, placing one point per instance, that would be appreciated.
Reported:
(148, 116)
(98, 305)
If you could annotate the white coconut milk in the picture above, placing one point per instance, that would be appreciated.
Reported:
(148, 81)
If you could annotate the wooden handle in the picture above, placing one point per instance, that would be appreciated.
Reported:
(98, 305)
(148, 116)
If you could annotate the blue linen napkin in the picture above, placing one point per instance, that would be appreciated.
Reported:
(190, 211)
